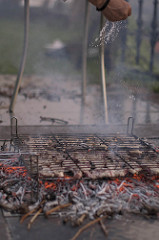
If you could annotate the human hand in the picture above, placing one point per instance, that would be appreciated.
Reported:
(116, 10)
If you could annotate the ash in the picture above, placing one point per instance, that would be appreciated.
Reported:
(89, 199)
(109, 197)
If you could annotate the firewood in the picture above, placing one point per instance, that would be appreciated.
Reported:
(85, 227)
(34, 217)
(58, 208)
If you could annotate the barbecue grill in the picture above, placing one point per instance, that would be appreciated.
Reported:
(79, 154)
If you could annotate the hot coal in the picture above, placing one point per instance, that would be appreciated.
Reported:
(138, 194)
(79, 177)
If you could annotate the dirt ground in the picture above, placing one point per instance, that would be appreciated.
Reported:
(59, 97)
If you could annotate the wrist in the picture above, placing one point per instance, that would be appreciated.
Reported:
(104, 6)
(100, 3)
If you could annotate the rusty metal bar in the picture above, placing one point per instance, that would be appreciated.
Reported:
(16, 126)
(130, 126)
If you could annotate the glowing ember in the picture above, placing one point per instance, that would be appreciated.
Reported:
(138, 193)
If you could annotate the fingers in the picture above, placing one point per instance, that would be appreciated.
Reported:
(116, 10)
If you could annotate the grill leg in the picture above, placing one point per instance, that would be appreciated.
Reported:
(103, 78)
(23, 59)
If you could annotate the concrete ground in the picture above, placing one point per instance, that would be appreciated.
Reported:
(58, 97)
(123, 227)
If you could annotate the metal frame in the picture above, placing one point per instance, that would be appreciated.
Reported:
(16, 126)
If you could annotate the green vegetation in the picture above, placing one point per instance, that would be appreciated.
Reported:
(41, 33)
(155, 87)
(45, 31)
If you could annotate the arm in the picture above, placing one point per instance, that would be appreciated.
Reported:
(116, 10)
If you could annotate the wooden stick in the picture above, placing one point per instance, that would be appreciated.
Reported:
(85, 227)
(103, 228)
(80, 220)
(27, 214)
(34, 217)
(58, 208)
(30, 212)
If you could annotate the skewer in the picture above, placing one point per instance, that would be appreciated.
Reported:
(27, 214)
(85, 227)
(34, 217)
(58, 208)
(103, 228)
(30, 212)
(80, 220)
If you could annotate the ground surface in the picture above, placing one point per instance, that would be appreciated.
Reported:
(123, 228)
(60, 97)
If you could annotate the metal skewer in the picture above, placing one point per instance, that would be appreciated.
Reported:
(23, 59)
(103, 78)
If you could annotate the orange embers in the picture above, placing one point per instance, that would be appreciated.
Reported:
(54, 185)
(19, 171)
(49, 185)
(125, 185)
(66, 178)
(139, 177)
(157, 149)
(117, 181)
(141, 180)
(75, 187)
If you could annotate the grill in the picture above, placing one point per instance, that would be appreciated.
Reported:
(82, 175)
(80, 155)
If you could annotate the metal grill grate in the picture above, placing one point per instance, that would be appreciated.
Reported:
(86, 155)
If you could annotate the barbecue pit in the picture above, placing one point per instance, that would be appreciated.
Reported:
(78, 175)
(86, 155)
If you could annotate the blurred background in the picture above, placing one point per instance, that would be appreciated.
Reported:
(61, 24)
(55, 43)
